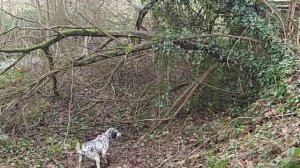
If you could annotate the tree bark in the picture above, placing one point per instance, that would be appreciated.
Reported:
(1, 16)
(290, 19)
(51, 68)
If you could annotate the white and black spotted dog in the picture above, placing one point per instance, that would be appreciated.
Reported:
(99, 146)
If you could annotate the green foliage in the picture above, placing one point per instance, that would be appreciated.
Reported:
(25, 152)
(36, 112)
(56, 146)
(22, 152)
(168, 55)
(291, 161)
(263, 65)
(212, 163)
(128, 48)
(11, 77)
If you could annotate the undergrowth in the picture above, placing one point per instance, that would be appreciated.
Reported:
(250, 86)
(256, 71)
(34, 152)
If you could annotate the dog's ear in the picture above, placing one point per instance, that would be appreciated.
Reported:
(113, 135)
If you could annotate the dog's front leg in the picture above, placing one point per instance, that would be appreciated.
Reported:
(97, 160)
(79, 160)
(104, 159)
(104, 151)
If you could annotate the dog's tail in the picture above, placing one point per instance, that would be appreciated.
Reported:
(78, 148)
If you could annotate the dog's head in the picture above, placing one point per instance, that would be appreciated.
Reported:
(113, 133)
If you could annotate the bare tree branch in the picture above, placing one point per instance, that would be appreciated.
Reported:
(143, 12)
(20, 18)
(102, 31)
(77, 32)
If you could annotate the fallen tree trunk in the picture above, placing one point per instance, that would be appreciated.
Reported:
(181, 101)
(93, 32)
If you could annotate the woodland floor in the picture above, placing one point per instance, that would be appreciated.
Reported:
(168, 148)
(193, 141)
(176, 145)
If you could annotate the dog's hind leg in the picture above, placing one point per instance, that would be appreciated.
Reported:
(93, 155)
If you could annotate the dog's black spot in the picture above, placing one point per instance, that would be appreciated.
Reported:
(93, 166)
(113, 135)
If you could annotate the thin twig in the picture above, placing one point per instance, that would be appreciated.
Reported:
(107, 34)
(278, 15)
(109, 78)
(182, 99)
(217, 88)
(20, 18)
(13, 64)
(214, 136)
(70, 104)
(166, 160)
